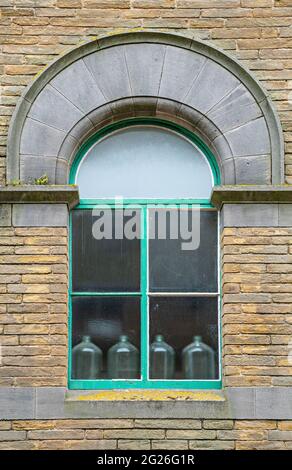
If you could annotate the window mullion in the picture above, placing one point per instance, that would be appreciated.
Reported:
(144, 297)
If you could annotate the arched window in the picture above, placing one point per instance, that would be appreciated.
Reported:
(144, 291)
(145, 162)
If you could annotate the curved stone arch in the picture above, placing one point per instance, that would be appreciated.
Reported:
(145, 107)
(146, 74)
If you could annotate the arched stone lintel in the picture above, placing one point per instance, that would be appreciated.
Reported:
(145, 107)
(246, 170)
(232, 163)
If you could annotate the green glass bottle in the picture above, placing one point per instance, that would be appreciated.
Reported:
(198, 360)
(123, 360)
(161, 359)
(86, 360)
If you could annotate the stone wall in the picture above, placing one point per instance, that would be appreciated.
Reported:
(257, 32)
(33, 305)
(257, 298)
(145, 434)
(257, 302)
(256, 261)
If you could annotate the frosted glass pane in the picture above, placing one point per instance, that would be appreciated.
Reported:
(144, 162)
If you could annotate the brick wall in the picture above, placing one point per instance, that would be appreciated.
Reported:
(257, 32)
(257, 272)
(257, 318)
(153, 434)
(257, 306)
(33, 306)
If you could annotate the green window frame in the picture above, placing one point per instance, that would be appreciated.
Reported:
(143, 205)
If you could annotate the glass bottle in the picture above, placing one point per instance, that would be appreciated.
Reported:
(123, 360)
(161, 359)
(198, 360)
(86, 360)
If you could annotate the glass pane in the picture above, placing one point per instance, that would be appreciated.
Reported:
(177, 265)
(104, 265)
(144, 162)
(188, 348)
(113, 326)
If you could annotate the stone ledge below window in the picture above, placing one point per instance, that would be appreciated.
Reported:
(60, 403)
(145, 395)
(147, 404)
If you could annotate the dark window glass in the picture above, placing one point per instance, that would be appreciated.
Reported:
(179, 320)
(106, 328)
(105, 265)
(172, 268)
(105, 320)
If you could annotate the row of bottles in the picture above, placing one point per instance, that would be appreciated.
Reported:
(198, 360)
(122, 360)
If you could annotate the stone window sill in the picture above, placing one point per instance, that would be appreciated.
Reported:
(144, 395)
(231, 403)
(146, 404)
